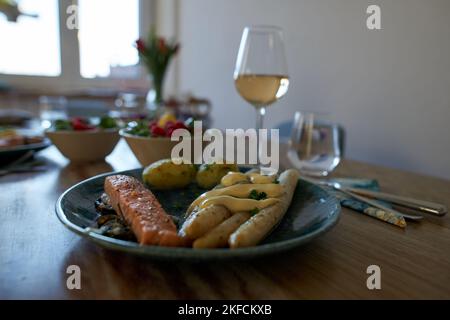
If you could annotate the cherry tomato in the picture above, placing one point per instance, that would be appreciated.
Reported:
(180, 125)
(169, 124)
(157, 131)
(169, 131)
(152, 124)
(80, 124)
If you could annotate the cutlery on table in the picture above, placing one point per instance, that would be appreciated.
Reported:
(371, 202)
(420, 205)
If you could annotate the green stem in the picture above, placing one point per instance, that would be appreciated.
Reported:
(158, 83)
(158, 87)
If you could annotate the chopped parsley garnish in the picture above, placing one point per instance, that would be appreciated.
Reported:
(254, 211)
(255, 195)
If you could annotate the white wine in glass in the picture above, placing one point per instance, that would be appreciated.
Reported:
(261, 90)
(261, 70)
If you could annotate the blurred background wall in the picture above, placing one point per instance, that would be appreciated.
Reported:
(390, 88)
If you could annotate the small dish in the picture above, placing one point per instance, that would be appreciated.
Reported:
(148, 149)
(84, 146)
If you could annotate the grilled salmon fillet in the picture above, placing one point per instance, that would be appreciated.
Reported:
(142, 211)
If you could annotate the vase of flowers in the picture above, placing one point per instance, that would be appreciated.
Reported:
(156, 53)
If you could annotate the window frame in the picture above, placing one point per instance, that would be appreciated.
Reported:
(70, 78)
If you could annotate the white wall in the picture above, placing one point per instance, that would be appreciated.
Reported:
(389, 88)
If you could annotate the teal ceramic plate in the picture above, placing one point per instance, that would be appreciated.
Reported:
(312, 212)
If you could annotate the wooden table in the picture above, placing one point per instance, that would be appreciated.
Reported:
(36, 249)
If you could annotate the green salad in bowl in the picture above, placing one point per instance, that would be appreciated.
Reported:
(83, 139)
(150, 140)
(84, 124)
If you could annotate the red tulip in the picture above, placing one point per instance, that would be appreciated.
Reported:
(140, 45)
(162, 45)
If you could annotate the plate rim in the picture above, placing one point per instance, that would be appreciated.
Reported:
(32, 146)
(190, 253)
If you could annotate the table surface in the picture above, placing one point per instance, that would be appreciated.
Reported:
(36, 249)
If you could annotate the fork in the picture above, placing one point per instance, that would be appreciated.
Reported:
(374, 203)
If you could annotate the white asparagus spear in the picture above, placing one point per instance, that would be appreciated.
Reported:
(259, 226)
(200, 222)
(218, 237)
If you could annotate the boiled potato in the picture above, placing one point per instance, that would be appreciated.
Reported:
(209, 175)
(164, 174)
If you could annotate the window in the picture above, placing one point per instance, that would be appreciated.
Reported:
(108, 30)
(101, 51)
(31, 45)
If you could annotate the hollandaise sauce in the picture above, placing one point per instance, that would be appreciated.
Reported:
(241, 192)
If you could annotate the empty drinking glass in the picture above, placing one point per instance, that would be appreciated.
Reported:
(314, 147)
(51, 109)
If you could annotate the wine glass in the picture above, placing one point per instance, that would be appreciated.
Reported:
(315, 144)
(260, 75)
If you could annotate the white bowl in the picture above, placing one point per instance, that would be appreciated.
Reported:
(84, 146)
(150, 149)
